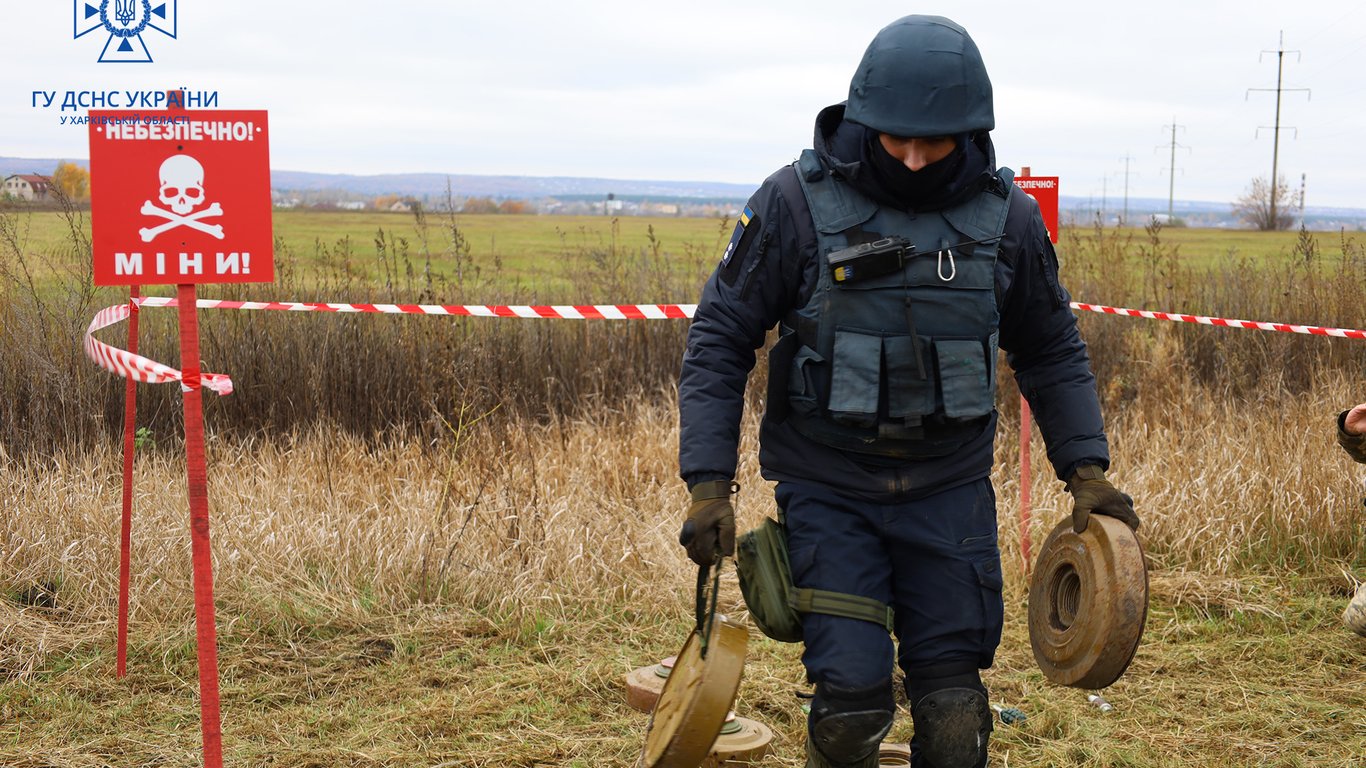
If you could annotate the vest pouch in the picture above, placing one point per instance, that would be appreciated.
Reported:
(854, 378)
(801, 380)
(964, 376)
(910, 396)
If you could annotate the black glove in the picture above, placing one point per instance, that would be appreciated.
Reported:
(709, 532)
(1092, 493)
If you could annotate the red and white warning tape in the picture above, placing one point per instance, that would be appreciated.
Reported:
(123, 363)
(556, 311)
(1313, 330)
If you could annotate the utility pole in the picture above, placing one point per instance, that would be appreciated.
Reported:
(1276, 130)
(1171, 184)
(1125, 220)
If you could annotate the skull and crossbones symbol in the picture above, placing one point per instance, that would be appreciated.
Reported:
(182, 189)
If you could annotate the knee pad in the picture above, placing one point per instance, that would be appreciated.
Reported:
(952, 726)
(848, 724)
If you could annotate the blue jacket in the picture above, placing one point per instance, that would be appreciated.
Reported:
(770, 269)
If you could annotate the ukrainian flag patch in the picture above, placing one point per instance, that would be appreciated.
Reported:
(746, 216)
(740, 240)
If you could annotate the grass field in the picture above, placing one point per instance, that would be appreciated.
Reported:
(519, 244)
(517, 247)
(447, 545)
(1202, 248)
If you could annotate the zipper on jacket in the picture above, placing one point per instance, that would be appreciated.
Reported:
(758, 259)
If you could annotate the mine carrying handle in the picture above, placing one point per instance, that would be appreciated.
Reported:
(706, 608)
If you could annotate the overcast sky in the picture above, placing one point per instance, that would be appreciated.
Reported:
(713, 91)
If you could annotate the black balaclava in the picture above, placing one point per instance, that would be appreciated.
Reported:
(935, 186)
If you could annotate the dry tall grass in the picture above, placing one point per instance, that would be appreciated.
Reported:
(508, 514)
(1307, 285)
(478, 604)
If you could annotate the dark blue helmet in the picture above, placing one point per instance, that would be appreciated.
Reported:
(922, 76)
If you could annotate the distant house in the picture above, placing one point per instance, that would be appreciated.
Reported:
(24, 186)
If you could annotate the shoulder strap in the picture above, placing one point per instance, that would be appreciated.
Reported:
(983, 218)
(835, 206)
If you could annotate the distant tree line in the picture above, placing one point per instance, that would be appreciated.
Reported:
(489, 205)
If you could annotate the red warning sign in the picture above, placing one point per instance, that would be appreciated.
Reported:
(1044, 190)
(180, 197)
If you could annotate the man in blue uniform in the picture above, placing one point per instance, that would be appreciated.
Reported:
(896, 260)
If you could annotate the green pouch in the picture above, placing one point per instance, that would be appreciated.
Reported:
(774, 603)
(766, 581)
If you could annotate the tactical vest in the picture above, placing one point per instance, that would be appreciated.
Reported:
(903, 363)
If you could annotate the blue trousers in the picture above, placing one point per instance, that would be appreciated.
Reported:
(934, 560)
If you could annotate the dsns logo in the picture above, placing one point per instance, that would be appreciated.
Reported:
(126, 21)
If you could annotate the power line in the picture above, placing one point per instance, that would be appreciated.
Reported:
(1276, 130)
(1335, 25)
(1352, 54)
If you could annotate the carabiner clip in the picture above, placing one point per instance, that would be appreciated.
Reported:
(953, 268)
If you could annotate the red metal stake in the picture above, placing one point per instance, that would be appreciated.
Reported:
(130, 418)
(1026, 432)
(205, 635)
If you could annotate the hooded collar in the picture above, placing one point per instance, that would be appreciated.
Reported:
(844, 147)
